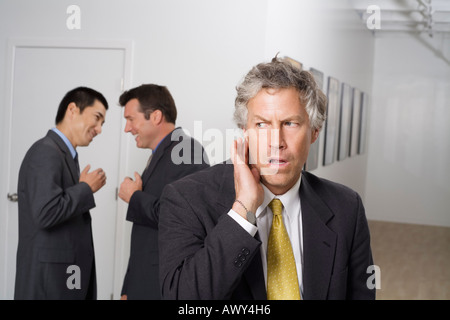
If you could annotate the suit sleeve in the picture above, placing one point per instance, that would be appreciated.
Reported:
(143, 209)
(144, 206)
(49, 202)
(360, 259)
(199, 260)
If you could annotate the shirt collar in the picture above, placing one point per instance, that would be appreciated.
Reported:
(154, 150)
(72, 150)
(287, 198)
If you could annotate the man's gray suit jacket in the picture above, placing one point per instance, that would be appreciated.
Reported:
(54, 225)
(178, 155)
(205, 254)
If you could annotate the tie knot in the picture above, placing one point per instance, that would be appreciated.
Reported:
(276, 206)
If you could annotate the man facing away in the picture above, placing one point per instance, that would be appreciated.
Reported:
(54, 201)
(261, 228)
(150, 114)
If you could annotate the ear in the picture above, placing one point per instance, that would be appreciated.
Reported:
(72, 109)
(314, 135)
(156, 117)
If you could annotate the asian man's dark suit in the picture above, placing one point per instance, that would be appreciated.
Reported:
(206, 254)
(54, 226)
(142, 276)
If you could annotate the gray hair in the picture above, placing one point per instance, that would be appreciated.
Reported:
(280, 74)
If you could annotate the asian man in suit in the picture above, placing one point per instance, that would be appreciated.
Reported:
(260, 227)
(54, 201)
(150, 114)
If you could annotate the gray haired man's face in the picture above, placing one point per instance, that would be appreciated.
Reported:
(279, 135)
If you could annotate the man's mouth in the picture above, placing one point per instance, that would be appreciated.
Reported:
(274, 166)
(277, 162)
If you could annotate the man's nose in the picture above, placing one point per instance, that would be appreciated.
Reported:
(99, 129)
(127, 127)
(275, 137)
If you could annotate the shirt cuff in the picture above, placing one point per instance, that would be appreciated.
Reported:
(249, 227)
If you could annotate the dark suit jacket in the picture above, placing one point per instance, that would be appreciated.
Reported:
(54, 225)
(141, 280)
(205, 254)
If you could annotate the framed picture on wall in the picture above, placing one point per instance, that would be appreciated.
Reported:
(355, 123)
(313, 156)
(294, 62)
(332, 122)
(345, 122)
(318, 76)
(363, 128)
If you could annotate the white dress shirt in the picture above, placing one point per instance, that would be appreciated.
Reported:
(292, 213)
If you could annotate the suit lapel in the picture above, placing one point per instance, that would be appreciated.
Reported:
(166, 143)
(254, 275)
(319, 243)
(70, 162)
(148, 171)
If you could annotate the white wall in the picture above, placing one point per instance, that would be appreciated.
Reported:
(200, 49)
(408, 170)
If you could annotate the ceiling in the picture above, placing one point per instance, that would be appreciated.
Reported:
(415, 16)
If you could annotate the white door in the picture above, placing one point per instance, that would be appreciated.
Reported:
(41, 77)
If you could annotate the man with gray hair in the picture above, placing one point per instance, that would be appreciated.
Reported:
(260, 227)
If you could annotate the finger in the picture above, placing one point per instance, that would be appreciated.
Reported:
(233, 151)
(255, 173)
(137, 177)
(240, 150)
(236, 151)
(86, 169)
(246, 152)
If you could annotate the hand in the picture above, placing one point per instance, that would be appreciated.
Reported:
(95, 179)
(124, 297)
(128, 187)
(246, 180)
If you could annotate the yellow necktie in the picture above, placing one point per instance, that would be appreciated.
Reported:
(282, 281)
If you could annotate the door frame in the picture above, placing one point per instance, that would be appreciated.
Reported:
(122, 230)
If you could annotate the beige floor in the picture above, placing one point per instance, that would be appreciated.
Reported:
(414, 260)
